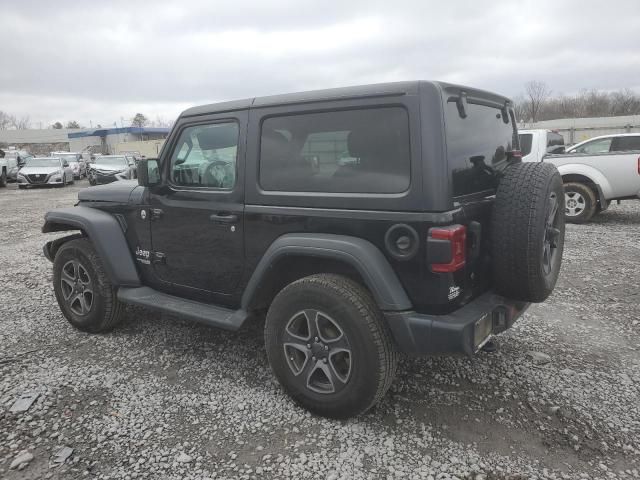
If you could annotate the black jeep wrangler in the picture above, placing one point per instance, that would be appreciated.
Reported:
(364, 221)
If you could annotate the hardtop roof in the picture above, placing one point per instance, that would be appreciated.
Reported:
(343, 93)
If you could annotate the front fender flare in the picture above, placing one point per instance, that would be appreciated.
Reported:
(362, 255)
(105, 234)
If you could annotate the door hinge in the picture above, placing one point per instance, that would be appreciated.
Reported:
(155, 213)
(159, 257)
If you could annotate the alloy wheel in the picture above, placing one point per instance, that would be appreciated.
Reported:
(575, 204)
(317, 351)
(77, 287)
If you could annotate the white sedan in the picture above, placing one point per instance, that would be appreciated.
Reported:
(45, 171)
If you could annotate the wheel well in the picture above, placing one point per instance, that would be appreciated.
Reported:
(55, 245)
(586, 181)
(574, 178)
(294, 267)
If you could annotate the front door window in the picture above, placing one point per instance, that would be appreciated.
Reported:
(205, 156)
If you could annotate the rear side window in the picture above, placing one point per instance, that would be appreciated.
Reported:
(626, 143)
(602, 145)
(475, 145)
(348, 151)
(526, 139)
(554, 139)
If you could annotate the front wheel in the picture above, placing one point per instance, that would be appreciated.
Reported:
(3, 179)
(84, 292)
(329, 347)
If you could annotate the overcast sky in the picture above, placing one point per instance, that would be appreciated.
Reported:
(100, 61)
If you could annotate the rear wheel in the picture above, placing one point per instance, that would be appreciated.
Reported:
(329, 347)
(528, 231)
(580, 203)
(84, 293)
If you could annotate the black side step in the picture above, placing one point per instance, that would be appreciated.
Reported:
(199, 312)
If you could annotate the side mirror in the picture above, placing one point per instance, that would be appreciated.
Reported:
(148, 172)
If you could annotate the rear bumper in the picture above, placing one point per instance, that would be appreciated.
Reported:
(462, 331)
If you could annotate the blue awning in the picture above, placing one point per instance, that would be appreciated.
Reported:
(103, 132)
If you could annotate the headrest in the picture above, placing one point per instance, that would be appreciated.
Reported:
(218, 136)
(371, 141)
(273, 138)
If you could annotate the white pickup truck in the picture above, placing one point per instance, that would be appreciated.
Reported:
(537, 144)
(594, 172)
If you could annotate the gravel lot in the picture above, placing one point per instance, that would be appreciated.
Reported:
(164, 398)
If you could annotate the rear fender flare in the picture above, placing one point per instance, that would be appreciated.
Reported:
(105, 234)
(362, 255)
(598, 179)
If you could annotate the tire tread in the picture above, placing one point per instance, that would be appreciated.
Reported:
(520, 200)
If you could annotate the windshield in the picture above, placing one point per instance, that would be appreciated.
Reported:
(525, 143)
(69, 157)
(113, 161)
(15, 154)
(43, 162)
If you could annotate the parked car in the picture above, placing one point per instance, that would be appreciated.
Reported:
(134, 153)
(109, 168)
(622, 142)
(536, 144)
(133, 163)
(10, 164)
(38, 171)
(598, 171)
(415, 248)
(76, 162)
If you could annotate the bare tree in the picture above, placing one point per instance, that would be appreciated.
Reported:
(536, 93)
(520, 108)
(139, 120)
(22, 123)
(624, 102)
(5, 121)
(161, 122)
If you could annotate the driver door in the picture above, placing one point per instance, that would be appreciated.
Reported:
(197, 214)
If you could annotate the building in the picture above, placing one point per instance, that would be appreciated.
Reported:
(576, 130)
(106, 140)
(103, 140)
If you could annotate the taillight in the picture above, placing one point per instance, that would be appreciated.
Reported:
(514, 155)
(456, 236)
(638, 165)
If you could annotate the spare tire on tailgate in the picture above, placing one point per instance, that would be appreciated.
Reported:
(527, 229)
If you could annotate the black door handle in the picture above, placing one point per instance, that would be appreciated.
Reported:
(223, 218)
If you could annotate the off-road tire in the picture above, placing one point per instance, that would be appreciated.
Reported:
(106, 311)
(591, 205)
(3, 179)
(373, 355)
(522, 233)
